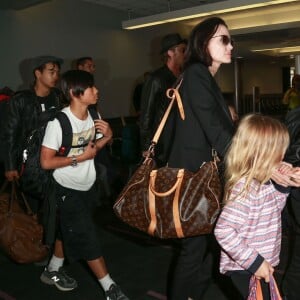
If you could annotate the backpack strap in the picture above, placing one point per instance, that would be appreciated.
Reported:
(67, 133)
(93, 112)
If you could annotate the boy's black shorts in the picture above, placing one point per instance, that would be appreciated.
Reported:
(78, 232)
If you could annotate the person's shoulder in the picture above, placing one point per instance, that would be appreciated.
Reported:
(238, 193)
(59, 98)
(291, 92)
(23, 96)
(161, 72)
(293, 116)
(239, 185)
(158, 70)
(66, 110)
(197, 67)
(154, 78)
(56, 92)
(24, 93)
(197, 71)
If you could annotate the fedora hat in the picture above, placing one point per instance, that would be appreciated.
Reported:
(171, 40)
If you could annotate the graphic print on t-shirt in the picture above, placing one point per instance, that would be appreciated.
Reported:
(80, 141)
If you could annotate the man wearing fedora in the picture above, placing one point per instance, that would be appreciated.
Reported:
(154, 100)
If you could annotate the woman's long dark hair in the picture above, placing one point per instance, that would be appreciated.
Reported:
(197, 51)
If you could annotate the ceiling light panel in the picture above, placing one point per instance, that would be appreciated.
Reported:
(221, 7)
(143, 8)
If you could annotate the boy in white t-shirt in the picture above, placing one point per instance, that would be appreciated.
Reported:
(74, 176)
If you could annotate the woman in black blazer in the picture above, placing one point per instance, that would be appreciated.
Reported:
(207, 125)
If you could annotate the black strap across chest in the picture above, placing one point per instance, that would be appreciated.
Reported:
(67, 132)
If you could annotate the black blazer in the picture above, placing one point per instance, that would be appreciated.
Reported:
(207, 123)
(292, 122)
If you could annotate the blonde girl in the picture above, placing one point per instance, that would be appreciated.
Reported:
(249, 227)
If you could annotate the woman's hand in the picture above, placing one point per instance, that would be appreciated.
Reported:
(295, 177)
(285, 168)
(283, 175)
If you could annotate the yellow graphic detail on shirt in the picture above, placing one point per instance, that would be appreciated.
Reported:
(80, 141)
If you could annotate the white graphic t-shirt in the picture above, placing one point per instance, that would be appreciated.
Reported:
(82, 176)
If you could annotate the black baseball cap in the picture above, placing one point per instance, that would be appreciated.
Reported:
(44, 59)
(171, 40)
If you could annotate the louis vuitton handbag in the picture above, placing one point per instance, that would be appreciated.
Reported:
(170, 202)
(20, 233)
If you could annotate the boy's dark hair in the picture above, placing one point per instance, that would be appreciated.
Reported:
(76, 81)
(81, 61)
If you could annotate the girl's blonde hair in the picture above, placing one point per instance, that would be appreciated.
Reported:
(257, 147)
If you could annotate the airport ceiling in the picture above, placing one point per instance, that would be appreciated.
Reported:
(284, 35)
(138, 7)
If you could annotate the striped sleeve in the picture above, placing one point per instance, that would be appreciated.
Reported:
(232, 218)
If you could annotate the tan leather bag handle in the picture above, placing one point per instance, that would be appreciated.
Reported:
(152, 206)
(153, 175)
(173, 95)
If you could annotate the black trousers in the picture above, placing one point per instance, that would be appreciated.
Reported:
(192, 270)
(290, 284)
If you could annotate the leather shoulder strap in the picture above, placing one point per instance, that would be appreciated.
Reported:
(173, 95)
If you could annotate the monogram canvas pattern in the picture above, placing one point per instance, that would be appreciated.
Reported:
(20, 235)
(198, 202)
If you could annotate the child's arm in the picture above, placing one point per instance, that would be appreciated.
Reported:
(227, 231)
(49, 160)
(51, 143)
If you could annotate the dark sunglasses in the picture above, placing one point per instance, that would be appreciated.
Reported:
(225, 39)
